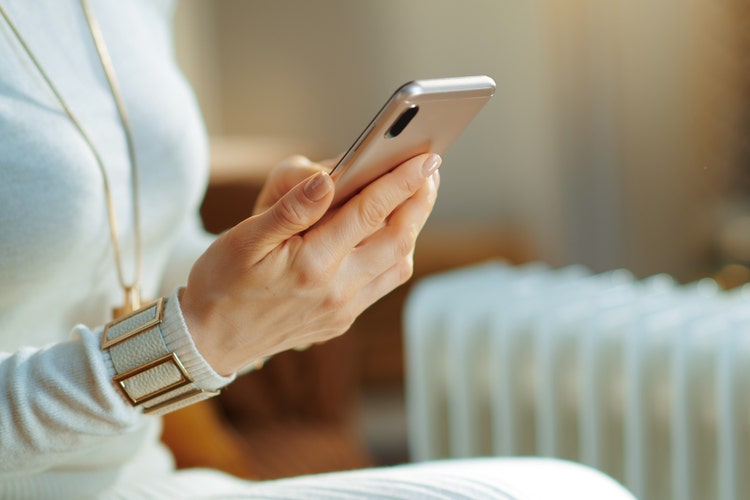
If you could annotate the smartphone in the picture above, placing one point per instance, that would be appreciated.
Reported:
(422, 116)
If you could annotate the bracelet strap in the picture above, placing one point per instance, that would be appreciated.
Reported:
(147, 373)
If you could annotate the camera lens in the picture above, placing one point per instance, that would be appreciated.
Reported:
(400, 124)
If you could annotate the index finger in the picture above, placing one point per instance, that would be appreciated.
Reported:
(365, 213)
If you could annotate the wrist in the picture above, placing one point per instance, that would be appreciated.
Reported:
(178, 338)
(155, 367)
(213, 348)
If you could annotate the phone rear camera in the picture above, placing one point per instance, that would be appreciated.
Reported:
(400, 124)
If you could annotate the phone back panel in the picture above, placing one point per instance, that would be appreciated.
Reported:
(445, 107)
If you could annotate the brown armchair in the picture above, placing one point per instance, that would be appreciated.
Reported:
(294, 416)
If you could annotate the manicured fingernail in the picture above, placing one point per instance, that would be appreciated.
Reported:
(431, 164)
(318, 187)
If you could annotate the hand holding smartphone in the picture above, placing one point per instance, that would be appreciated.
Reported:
(422, 116)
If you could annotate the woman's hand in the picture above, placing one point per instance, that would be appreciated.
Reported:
(279, 280)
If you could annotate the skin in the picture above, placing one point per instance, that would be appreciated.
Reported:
(296, 274)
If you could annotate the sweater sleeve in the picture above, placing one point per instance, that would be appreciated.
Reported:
(59, 400)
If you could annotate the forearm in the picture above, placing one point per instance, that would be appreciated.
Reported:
(58, 401)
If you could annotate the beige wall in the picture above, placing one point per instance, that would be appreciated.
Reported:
(607, 141)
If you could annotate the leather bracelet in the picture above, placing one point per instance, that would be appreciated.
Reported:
(147, 373)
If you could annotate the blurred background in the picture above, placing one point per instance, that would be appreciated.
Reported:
(618, 138)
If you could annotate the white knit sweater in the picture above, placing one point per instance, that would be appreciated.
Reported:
(64, 429)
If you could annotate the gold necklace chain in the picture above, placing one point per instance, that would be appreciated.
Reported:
(132, 289)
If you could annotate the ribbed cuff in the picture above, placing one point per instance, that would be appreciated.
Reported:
(106, 357)
(178, 340)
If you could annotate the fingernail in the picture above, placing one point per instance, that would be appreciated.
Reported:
(431, 164)
(318, 187)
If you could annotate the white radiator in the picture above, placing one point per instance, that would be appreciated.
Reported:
(646, 380)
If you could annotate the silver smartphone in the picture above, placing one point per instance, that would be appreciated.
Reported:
(422, 116)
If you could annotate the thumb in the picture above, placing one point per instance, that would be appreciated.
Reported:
(295, 212)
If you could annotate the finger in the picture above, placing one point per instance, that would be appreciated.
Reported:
(396, 240)
(427, 195)
(383, 284)
(294, 213)
(415, 211)
(366, 212)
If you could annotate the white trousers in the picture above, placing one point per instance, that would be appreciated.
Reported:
(480, 478)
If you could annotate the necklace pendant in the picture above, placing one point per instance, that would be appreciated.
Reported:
(132, 302)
